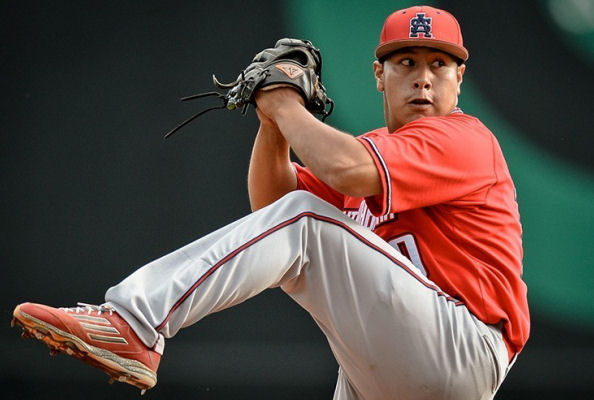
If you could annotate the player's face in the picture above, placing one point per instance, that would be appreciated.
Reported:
(417, 82)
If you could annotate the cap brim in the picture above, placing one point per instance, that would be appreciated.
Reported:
(387, 48)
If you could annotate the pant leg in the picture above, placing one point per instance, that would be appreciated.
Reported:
(144, 296)
(393, 333)
(254, 253)
(344, 390)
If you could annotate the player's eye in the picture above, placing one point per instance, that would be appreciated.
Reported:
(408, 62)
(438, 63)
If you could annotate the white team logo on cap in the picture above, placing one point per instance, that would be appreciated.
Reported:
(420, 24)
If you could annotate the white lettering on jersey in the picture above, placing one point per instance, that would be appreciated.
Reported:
(407, 246)
(364, 217)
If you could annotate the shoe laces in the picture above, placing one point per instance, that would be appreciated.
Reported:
(82, 308)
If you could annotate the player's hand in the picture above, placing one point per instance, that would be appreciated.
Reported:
(270, 101)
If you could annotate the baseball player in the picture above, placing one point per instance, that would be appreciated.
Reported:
(403, 244)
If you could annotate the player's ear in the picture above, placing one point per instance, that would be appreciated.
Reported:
(378, 71)
(459, 75)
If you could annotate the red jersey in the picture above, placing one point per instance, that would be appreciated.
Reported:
(448, 204)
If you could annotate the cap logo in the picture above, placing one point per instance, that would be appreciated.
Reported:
(420, 24)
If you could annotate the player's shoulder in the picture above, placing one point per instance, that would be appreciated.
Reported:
(376, 132)
(459, 117)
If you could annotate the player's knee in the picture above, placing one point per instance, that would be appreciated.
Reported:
(299, 201)
(301, 198)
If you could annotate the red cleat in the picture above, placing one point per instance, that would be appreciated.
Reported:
(96, 335)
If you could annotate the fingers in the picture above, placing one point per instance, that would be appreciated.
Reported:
(271, 100)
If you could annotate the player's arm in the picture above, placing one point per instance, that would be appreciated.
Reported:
(270, 175)
(338, 159)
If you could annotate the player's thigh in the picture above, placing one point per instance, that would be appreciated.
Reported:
(391, 329)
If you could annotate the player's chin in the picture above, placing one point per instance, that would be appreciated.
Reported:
(414, 113)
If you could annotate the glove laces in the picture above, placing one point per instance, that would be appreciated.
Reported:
(228, 100)
(193, 117)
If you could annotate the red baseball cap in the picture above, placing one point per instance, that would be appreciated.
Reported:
(421, 26)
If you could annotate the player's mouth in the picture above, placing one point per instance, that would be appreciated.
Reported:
(420, 103)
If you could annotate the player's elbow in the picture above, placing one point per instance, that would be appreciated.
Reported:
(355, 180)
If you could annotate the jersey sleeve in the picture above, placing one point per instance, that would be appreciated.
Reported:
(431, 161)
(307, 181)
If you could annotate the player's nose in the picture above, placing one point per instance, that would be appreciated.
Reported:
(422, 83)
(423, 79)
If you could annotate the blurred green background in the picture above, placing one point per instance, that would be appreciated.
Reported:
(90, 191)
(556, 194)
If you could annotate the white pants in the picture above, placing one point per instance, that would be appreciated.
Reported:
(394, 334)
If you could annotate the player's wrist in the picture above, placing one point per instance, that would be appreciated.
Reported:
(289, 109)
(265, 121)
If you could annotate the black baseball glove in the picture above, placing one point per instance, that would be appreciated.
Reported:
(291, 62)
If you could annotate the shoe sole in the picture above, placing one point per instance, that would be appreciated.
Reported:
(120, 369)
